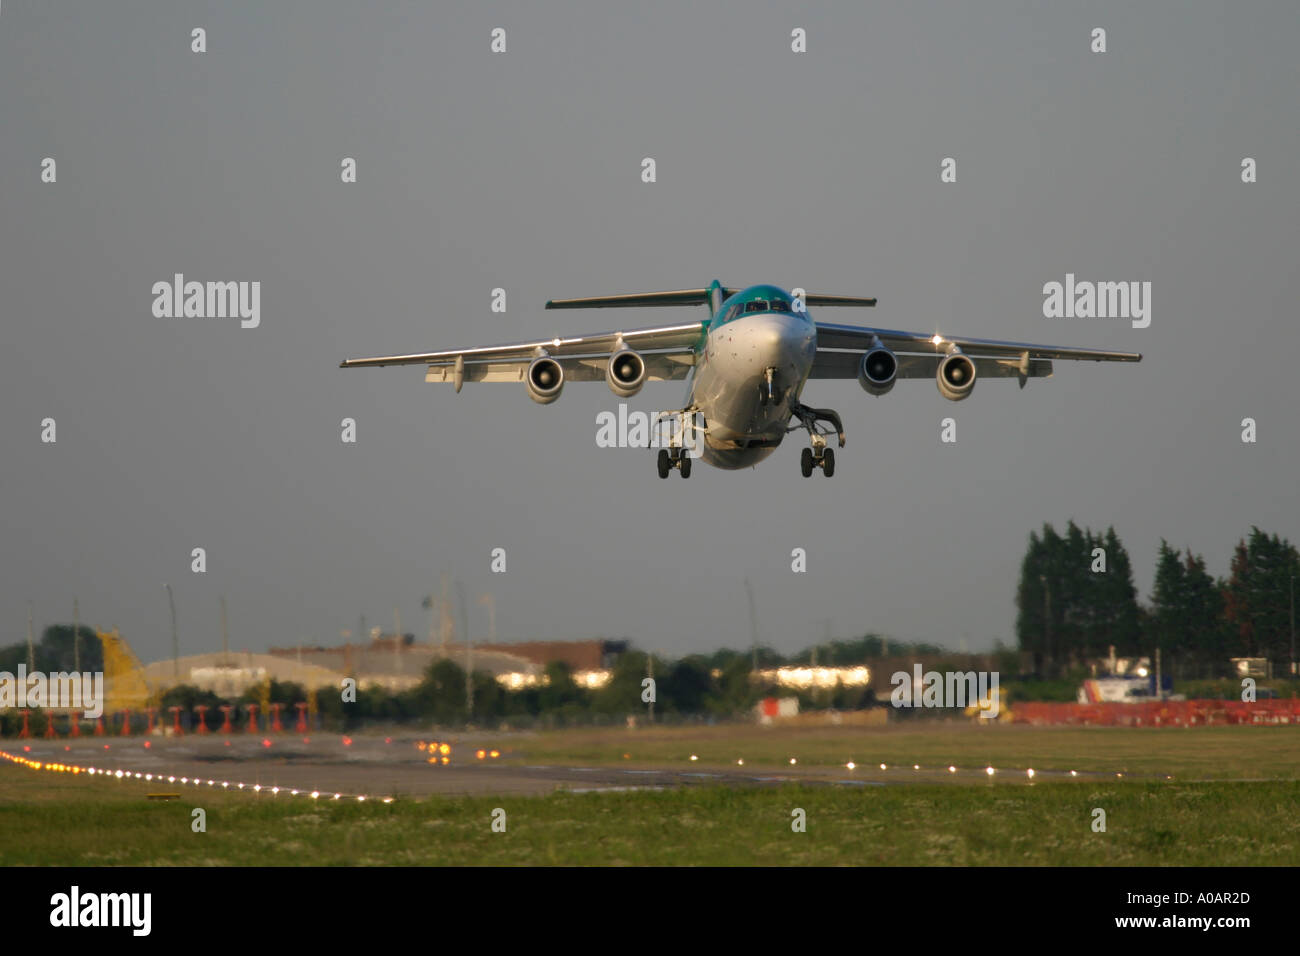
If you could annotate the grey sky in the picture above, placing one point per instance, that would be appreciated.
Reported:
(522, 170)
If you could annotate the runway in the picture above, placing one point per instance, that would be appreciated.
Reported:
(402, 767)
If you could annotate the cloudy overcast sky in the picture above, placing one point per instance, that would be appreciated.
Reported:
(522, 170)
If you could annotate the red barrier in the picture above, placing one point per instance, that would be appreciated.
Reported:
(1161, 713)
(252, 718)
(276, 726)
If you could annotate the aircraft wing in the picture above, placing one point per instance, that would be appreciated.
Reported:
(859, 339)
(668, 350)
(829, 364)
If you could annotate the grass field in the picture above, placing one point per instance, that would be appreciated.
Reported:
(67, 821)
(1216, 810)
(1202, 753)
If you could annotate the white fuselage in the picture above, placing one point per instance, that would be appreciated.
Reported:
(730, 383)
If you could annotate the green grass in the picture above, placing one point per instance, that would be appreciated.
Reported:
(1201, 753)
(56, 820)
(1210, 813)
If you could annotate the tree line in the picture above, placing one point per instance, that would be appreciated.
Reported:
(1076, 599)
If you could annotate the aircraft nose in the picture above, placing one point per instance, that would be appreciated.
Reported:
(759, 342)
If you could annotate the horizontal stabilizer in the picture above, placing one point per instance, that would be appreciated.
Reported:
(813, 300)
(689, 297)
(637, 300)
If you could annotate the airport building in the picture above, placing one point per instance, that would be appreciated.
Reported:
(232, 674)
(398, 664)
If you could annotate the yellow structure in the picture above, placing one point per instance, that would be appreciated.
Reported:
(1003, 713)
(124, 685)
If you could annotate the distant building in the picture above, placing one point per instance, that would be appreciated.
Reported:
(231, 674)
(398, 664)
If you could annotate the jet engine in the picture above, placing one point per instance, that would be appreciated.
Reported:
(878, 371)
(956, 377)
(625, 373)
(545, 380)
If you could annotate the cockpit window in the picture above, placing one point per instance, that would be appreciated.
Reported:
(757, 305)
(780, 306)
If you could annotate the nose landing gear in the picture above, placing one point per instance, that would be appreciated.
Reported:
(769, 393)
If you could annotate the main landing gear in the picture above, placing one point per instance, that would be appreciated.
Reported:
(685, 436)
(818, 456)
(824, 459)
(670, 458)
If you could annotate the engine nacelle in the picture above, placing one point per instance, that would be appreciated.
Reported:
(545, 380)
(956, 377)
(878, 371)
(625, 373)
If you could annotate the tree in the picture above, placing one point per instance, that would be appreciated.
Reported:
(441, 695)
(1257, 595)
(1067, 612)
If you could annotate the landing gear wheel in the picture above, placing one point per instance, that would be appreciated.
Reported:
(806, 462)
(828, 462)
(665, 465)
(685, 465)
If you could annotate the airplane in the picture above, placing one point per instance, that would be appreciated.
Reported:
(747, 365)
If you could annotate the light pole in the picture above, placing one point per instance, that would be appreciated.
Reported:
(176, 646)
(469, 653)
